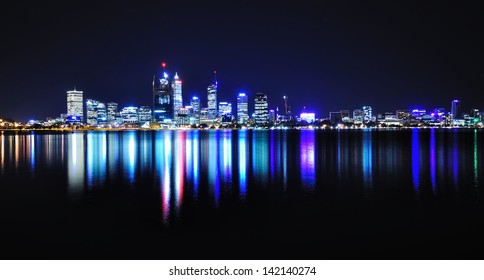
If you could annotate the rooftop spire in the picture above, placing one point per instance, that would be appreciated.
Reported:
(176, 76)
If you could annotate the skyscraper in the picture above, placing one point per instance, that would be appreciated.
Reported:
(455, 111)
(367, 114)
(225, 108)
(212, 97)
(162, 99)
(74, 104)
(177, 96)
(112, 109)
(195, 104)
(242, 108)
(261, 109)
(91, 111)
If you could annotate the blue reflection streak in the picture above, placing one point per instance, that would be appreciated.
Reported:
(272, 162)
(367, 158)
(433, 171)
(455, 160)
(96, 158)
(196, 162)
(284, 160)
(416, 160)
(132, 157)
(227, 157)
(32, 152)
(308, 171)
(213, 165)
(260, 155)
(113, 154)
(243, 163)
(90, 160)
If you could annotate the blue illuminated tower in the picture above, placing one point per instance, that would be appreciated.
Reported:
(242, 108)
(162, 99)
(212, 97)
(455, 110)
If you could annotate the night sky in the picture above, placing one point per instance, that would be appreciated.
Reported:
(325, 55)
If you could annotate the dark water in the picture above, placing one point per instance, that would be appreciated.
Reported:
(347, 194)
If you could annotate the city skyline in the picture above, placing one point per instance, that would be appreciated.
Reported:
(331, 55)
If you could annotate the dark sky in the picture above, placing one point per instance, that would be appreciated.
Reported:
(325, 55)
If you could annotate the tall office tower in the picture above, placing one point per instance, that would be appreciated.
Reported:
(177, 96)
(225, 108)
(358, 116)
(212, 97)
(112, 109)
(91, 111)
(261, 109)
(102, 117)
(74, 104)
(367, 114)
(162, 99)
(455, 111)
(195, 104)
(242, 108)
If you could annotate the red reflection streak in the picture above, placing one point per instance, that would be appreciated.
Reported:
(16, 150)
(180, 169)
(165, 204)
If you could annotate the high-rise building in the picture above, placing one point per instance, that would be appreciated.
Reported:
(455, 111)
(102, 116)
(112, 109)
(367, 114)
(225, 108)
(177, 96)
(75, 104)
(212, 98)
(261, 109)
(195, 104)
(91, 111)
(242, 108)
(162, 99)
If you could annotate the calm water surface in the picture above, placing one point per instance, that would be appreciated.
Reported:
(332, 194)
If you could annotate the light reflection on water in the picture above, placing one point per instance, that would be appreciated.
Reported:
(210, 166)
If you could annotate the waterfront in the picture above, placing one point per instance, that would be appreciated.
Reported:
(198, 194)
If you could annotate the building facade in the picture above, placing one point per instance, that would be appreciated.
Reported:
(261, 109)
(212, 99)
(242, 108)
(162, 100)
(75, 104)
(177, 96)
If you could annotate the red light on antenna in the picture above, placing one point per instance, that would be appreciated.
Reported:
(163, 64)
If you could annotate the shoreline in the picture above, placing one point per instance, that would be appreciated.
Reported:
(72, 130)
